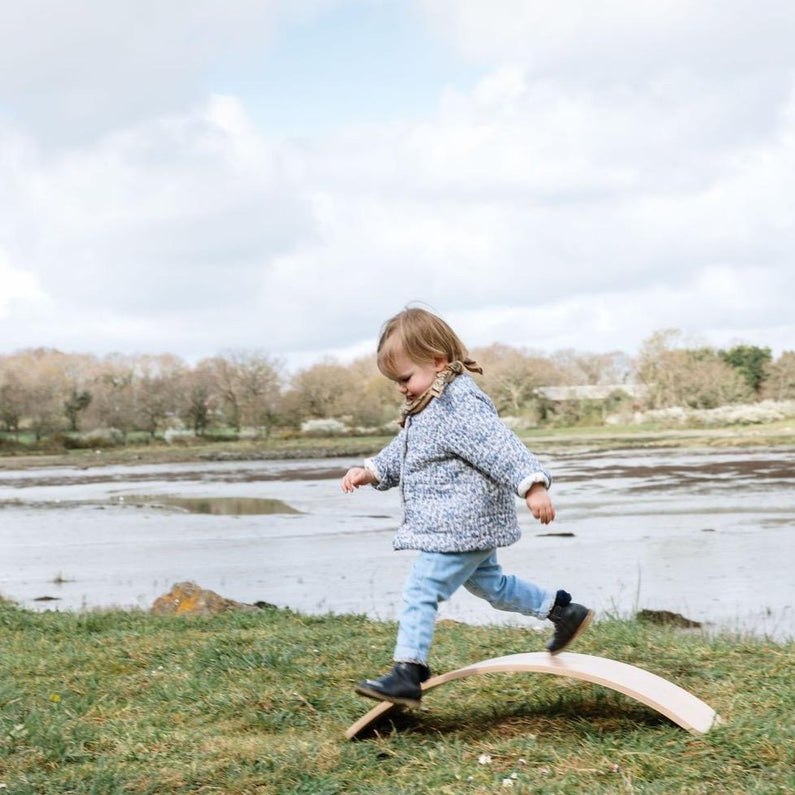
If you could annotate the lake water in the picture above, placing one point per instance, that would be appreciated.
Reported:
(708, 533)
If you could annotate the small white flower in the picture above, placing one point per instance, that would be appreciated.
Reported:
(484, 759)
(507, 782)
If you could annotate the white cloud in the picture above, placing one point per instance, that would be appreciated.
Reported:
(595, 185)
(19, 290)
(98, 66)
(621, 41)
(162, 215)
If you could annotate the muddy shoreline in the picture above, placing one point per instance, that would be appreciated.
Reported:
(544, 443)
(702, 531)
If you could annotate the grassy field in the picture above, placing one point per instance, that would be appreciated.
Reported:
(127, 702)
(546, 440)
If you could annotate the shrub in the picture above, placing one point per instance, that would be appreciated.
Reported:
(105, 437)
(324, 428)
(742, 414)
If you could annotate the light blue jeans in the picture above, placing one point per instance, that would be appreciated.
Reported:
(436, 576)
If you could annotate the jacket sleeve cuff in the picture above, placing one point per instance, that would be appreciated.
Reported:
(369, 465)
(536, 477)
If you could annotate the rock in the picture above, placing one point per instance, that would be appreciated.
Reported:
(666, 617)
(188, 599)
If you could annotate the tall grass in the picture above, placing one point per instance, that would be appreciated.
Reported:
(127, 702)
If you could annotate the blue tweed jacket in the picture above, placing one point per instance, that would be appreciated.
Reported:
(459, 469)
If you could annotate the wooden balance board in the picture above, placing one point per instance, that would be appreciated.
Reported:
(682, 707)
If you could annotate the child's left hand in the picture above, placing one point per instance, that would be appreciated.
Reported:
(355, 477)
(539, 504)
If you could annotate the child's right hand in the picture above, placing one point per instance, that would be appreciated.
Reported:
(540, 505)
(355, 477)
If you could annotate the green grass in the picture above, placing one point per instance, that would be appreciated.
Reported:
(541, 440)
(126, 702)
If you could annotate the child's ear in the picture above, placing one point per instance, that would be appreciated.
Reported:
(439, 363)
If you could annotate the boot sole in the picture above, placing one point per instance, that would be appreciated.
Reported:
(367, 692)
(584, 624)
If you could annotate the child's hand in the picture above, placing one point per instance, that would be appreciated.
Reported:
(537, 499)
(355, 477)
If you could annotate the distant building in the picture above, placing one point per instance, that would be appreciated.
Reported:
(559, 394)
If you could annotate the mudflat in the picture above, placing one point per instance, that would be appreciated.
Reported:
(705, 531)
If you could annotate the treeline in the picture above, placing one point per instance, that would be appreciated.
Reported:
(87, 399)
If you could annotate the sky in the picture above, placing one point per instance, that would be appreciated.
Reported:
(196, 176)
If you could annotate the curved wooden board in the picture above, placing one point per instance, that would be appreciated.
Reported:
(681, 706)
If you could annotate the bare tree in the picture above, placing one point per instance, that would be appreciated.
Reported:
(157, 387)
(322, 390)
(79, 370)
(260, 384)
(512, 376)
(248, 385)
(114, 396)
(779, 381)
(691, 377)
(45, 387)
(13, 395)
(580, 369)
(199, 402)
(227, 387)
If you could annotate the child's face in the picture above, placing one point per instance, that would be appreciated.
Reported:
(413, 378)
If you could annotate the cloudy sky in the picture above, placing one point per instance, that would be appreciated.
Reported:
(197, 176)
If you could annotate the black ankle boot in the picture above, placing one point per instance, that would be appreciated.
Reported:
(570, 621)
(400, 686)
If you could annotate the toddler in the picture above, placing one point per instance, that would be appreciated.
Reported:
(458, 468)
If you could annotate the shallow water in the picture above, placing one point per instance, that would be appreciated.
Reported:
(706, 533)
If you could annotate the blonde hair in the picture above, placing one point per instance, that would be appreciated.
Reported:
(422, 337)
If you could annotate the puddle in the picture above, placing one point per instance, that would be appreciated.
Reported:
(218, 506)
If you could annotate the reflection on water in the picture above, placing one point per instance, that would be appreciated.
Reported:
(219, 506)
(706, 533)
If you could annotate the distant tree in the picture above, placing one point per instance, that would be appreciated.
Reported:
(197, 412)
(579, 369)
(75, 403)
(248, 385)
(45, 386)
(12, 397)
(259, 375)
(157, 382)
(226, 385)
(114, 403)
(779, 381)
(689, 377)
(511, 377)
(750, 361)
(322, 390)
(199, 401)
(79, 371)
